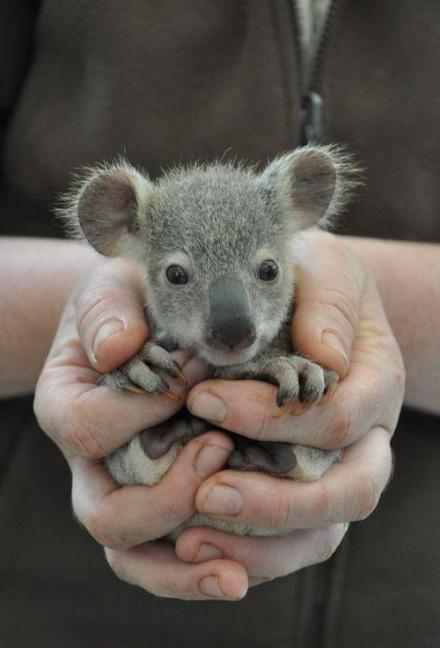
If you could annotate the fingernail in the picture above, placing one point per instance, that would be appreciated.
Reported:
(210, 459)
(222, 500)
(335, 343)
(208, 406)
(209, 587)
(106, 330)
(207, 552)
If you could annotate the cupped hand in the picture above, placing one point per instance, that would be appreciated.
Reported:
(102, 326)
(340, 323)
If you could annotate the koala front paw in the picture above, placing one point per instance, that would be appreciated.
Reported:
(137, 376)
(301, 383)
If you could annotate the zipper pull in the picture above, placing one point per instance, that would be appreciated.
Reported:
(312, 105)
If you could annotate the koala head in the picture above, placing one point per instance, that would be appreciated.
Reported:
(212, 242)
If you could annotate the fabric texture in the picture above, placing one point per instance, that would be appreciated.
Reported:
(170, 81)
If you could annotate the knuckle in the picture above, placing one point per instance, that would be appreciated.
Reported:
(43, 414)
(279, 513)
(389, 471)
(326, 545)
(116, 562)
(340, 429)
(367, 497)
(80, 433)
(323, 504)
(264, 428)
(107, 534)
(169, 508)
(82, 442)
(97, 525)
(118, 539)
(399, 378)
(39, 409)
(101, 526)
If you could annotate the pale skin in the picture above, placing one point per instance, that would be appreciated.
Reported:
(337, 294)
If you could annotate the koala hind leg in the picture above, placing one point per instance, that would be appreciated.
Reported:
(296, 461)
(182, 427)
(272, 457)
(148, 456)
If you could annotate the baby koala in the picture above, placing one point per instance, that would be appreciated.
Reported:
(213, 244)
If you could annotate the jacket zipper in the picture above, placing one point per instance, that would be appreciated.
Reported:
(312, 102)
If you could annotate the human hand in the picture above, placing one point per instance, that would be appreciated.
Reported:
(102, 326)
(340, 323)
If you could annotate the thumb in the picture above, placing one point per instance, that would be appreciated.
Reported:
(110, 315)
(330, 284)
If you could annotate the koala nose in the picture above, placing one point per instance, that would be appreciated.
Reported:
(233, 334)
(230, 325)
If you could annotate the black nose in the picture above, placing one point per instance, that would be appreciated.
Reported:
(230, 324)
(232, 334)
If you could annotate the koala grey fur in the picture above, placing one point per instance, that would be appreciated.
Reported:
(221, 225)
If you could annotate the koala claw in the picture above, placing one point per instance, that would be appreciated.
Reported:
(331, 379)
(301, 384)
(154, 354)
(179, 375)
(170, 395)
(299, 409)
(137, 377)
(133, 389)
(283, 410)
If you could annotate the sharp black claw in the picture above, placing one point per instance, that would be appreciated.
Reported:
(283, 396)
(162, 386)
(177, 372)
(308, 394)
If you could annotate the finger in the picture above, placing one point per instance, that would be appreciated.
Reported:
(350, 490)
(124, 517)
(110, 314)
(263, 558)
(156, 568)
(90, 420)
(249, 408)
(327, 299)
(371, 394)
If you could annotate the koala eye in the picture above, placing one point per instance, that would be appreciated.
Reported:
(268, 270)
(176, 275)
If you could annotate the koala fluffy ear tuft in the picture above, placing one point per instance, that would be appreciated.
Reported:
(104, 207)
(312, 183)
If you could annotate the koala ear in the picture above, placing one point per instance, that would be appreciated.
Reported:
(106, 206)
(312, 183)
